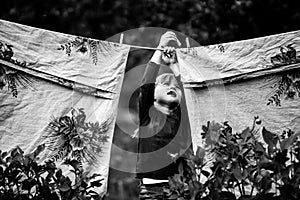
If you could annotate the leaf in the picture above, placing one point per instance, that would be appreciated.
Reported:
(269, 137)
(259, 149)
(84, 184)
(74, 163)
(96, 183)
(4, 154)
(65, 185)
(92, 192)
(237, 173)
(205, 129)
(28, 184)
(93, 46)
(176, 182)
(244, 152)
(93, 176)
(173, 196)
(281, 157)
(224, 195)
(21, 177)
(213, 133)
(245, 133)
(200, 153)
(181, 168)
(268, 196)
(286, 143)
(266, 183)
(58, 174)
(8, 159)
(205, 173)
(12, 84)
(267, 165)
(15, 174)
(271, 149)
(16, 151)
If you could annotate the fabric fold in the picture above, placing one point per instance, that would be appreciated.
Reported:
(239, 60)
(69, 60)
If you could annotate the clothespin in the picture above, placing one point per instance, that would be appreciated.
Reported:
(187, 41)
(121, 38)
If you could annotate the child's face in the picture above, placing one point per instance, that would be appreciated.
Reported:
(168, 93)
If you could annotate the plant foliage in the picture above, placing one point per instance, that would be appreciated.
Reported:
(21, 177)
(243, 166)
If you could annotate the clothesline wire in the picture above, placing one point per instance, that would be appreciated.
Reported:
(147, 48)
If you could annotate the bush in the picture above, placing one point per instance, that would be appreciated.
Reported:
(21, 177)
(242, 167)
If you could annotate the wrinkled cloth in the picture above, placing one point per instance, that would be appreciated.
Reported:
(238, 81)
(59, 90)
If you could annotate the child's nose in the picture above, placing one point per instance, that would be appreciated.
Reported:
(172, 87)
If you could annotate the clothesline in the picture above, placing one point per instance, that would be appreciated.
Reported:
(147, 48)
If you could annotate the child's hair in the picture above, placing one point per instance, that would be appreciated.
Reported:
(165, 77)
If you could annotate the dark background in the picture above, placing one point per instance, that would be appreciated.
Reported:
(204, 21)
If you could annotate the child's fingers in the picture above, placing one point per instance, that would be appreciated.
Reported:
(169, 52)
(169, 55)
(172, 49)
(169, 49)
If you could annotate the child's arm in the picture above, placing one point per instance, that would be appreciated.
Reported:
(146, 99)
(168, 42)
(152, 68)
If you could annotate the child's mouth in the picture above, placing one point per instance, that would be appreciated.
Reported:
(172, 93)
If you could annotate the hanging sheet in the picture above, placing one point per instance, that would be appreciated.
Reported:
(239, 81)
(59, 94)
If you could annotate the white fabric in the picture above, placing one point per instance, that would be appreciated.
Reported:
(80, 86)
(206, 63)
(39, 48)
(228, 82)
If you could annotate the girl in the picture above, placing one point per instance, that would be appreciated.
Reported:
(164, 131)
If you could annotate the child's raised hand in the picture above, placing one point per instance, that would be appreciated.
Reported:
(168, 42)
(169, 38)
(169, 55)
